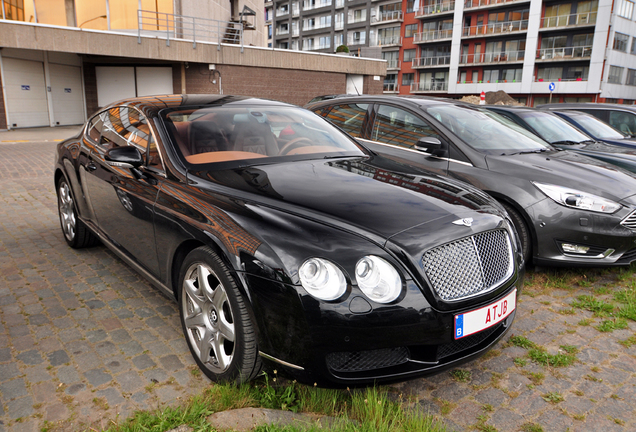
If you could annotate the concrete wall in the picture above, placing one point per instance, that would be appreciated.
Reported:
(3, 114)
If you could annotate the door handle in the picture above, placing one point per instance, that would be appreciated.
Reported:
(91, 166)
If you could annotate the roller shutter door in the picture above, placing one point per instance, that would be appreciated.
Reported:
(66, 94)
(26, 92)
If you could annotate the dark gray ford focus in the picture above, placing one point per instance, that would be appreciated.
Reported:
(568, 209)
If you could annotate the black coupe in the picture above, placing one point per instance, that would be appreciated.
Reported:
(286, 242)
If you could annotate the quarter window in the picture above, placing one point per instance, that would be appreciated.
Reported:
(399, 127)
(623, 121)
(349, 117)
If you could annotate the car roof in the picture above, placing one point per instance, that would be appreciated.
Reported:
(398, 99)
(591, 105)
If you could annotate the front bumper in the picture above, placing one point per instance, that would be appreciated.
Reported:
(605, 240)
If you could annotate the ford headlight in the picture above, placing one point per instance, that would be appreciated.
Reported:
(378, 279)
(322, 279)
(577, 199)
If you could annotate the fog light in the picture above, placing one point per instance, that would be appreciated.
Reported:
(573, 248)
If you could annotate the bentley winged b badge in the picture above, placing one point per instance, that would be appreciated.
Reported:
(466, 222)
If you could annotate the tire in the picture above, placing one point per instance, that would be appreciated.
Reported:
(215, 319)
(76, 234)
(522, 230)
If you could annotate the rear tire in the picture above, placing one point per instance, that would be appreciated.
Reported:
(76, 234)
(522, 231)
(215, 319)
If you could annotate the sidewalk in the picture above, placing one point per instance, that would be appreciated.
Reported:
(41, 134)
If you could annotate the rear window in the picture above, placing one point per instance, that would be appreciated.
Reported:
(348, 117)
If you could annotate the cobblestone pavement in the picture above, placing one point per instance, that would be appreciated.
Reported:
(85, 340)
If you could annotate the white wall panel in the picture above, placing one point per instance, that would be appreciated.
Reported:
(154, 81)
(114, 83)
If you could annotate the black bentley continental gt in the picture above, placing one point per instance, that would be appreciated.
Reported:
(287, 243)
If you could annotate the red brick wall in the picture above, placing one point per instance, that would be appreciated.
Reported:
(3, 114)
(371, 86)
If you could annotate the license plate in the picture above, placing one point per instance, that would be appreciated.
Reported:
(480, 319)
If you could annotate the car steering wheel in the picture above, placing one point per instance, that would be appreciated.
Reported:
(296, 142)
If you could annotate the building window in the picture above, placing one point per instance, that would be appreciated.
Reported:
(631, 77)
(615, 75)
(407, 79)
(409, 30)
(409, 54)
(550, 73)
(620, 42)
(410, 6)
(633, 51)
(629, 101)
(610, 100)
(625, 8)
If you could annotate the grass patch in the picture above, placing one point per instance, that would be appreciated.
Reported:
(585, 322)
(520, 361)
(629, 342)
(570, 349)
(553, 397)
(522, 342)
(612, 324)
(461, 375)
(599, 307)
(531, 427)
(539, 355)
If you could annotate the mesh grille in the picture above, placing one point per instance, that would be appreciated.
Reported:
(469, 266)
(367, 360)
(465, 343)
(630, 221)
(627, 257)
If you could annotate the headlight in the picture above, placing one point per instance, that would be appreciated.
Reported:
(322, 279)
(577, 199)
(378, 279)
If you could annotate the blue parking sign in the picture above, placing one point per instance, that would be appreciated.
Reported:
(552, 86)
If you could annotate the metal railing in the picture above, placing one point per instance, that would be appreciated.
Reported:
(315, 26)
(391, 87)
(180, 27)
(317, 5)
(281, 31)
(429, 86)
(282, 12)
(433, 9)
(480, 3)
(564, 53)
(392, 64)
(579, 19)
(386, 41)
(430, 61)
(505, 57)
(339, 25)
(496, 28)
(432, 35)
(560, 79)
(387, 16)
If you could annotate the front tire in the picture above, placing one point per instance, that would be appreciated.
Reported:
(76, 234)
(215, 319)
(522, 230)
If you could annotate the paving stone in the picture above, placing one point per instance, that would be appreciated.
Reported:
(96, 335)
(31, 357)
(13, 389)
(505, 420)
(97, 377)
(143, 362)
(37, 373)
(20, 408)
(491, 396)
(67, 374)
(75, 388)
(130, 381)
(131, 348)
(58, 358)
(112, 395)
(5, 355)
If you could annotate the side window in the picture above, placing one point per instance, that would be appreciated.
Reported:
(599, 114)
(349, 117)
(623, 121)
(94, 129)
(399, 127)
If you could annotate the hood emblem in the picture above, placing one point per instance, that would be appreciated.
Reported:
(466, 222)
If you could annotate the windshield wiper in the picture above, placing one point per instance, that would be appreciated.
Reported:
(588, 141)
(539, 150)
(568, 142)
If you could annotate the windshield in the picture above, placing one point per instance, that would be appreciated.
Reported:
(552, 128)
(260, 134)
(596, 127)
(486, 131)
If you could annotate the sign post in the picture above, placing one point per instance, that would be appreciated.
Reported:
(551, 87)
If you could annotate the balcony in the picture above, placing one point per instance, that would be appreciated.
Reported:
(492, 29)
(391, 88)
(572, 20)
(437, 9)
(388, 41)
(387, 17)
(317, 5)
(356, 20)
(339, 25)
(434, 35)
(282, 12)
(567, 53)
(309, 27)
(281, 32)
(295, 10)
(392, 64)
(430, 86)
(492, 58)
(470, 4)
(428, 62)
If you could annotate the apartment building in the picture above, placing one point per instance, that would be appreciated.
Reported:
(534, 50)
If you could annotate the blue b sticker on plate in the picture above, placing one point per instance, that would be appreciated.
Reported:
(459, 326)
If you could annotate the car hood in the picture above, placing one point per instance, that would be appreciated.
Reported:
(373, 195)
(570, 169)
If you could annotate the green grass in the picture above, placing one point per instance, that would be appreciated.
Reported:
(553, 397)
(522, 342)
(599, 307)
(365, 410)
(612, 324)
(531, 427)
(539, 355)
(461, 375)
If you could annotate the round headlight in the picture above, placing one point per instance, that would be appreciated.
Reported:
(322, 279)
(378, 279)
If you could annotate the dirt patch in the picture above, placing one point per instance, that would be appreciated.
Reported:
(493, 98)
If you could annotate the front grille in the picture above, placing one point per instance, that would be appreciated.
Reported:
(469, 266)
(357, 361)
(465, 342)
(630, 221)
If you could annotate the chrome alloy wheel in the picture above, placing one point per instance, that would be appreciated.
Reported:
(208, 317)
(67, 211)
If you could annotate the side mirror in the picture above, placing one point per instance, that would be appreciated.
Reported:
(124, 157)
(430, 145)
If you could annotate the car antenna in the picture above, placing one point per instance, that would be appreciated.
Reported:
(355, 87)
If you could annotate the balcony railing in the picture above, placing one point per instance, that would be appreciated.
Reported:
(282, 12)
(339, 3)
(496, 28)
(560, 79)
(339, 25)
(316, 6)
(354, 20)
(387, 16)
(481, 3)
(308, 27)
(280, 32)
(432, 35)
(430, 61)
(391, 87)
(295, 10)
(429, 86)
(506, 57)
(392, 64)
(581, 19)
(567, 53)
(435, 9)
(388, 41)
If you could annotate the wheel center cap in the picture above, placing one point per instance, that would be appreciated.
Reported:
(214, 317)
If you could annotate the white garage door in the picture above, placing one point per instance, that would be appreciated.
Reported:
(66, 92)
(355, 84)
(154, 81)
(119, 82)
(26, 92)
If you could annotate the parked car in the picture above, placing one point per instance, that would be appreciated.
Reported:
(622, 117)
(561, 134)
(568, 209)
(596, 128)
(284, 241)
